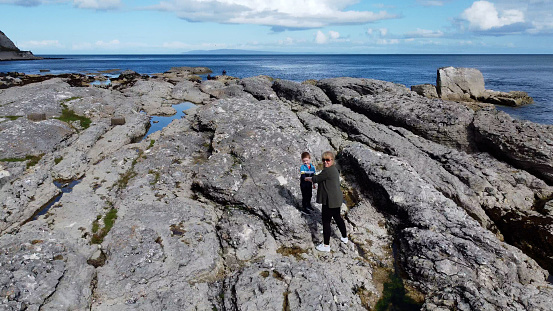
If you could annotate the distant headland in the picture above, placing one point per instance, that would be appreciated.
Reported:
(9, 51)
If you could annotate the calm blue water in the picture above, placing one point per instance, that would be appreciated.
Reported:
(529, 73)
(157, 123)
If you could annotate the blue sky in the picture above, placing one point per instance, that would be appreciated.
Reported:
(292, 26)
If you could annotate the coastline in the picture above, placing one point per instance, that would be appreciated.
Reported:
(209, 206)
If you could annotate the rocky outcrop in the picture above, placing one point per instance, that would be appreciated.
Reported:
(8, 50)
(467, 85)
(459, 83)
(513, 98)
(206, 213)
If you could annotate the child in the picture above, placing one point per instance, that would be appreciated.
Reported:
(306, 170)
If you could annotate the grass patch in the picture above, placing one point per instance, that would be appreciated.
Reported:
(152, 142)
(32, 160)
(96, 224)
(68, 115)
(394, 297)
(109, 221)
(58, 160)
(70, 99)
(13, 118)
(125, 178)
(156, 174)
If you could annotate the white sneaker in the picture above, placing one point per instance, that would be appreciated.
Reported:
(344, 240)
(323, 248)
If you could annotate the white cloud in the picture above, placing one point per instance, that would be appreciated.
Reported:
(387, 41)
(483, 15)
(82, 46)
(430, 2)
(286, 41)
(102, 45)
(321, 38)
(41, 44)
(383, 31)
(97, 4)
(110, 44)
(279, 14)
(424, 33)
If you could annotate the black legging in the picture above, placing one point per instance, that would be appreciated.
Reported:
(306, 193)
(328, 214)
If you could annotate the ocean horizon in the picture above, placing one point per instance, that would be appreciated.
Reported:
(531, 73)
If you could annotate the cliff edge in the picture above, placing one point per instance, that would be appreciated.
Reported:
(9, 51)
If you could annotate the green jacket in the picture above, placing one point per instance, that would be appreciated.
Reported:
(329, 192)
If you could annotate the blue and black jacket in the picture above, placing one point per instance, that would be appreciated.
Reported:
(306, 171)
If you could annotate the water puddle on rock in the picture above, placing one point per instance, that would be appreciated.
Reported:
(101, 83)
(157, 123)
(65, 187)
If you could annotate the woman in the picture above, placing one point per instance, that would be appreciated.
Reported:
(330, 196)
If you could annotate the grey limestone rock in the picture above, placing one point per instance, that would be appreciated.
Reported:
(22, 137)
(221, 90)
(339, 89)
(426, 90)
(521, 143)
(153, 96)
(260, 87)
(513, 98)
(454, 83)
(205, 214)
(189, 91)
(303, 93)
(440, 121)
(443, 250)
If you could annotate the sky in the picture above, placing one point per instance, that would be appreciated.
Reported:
(287, 26)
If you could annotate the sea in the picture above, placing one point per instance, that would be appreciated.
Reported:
(505, 72)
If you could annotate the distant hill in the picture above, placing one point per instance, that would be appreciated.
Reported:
(8, 50)
(230, 52)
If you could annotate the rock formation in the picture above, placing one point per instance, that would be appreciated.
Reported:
(8, 50)
(205, 215)
(467, 84)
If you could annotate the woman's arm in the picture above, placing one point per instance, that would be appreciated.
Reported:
(322, 176)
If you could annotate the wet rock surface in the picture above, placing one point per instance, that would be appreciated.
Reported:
(205, 214)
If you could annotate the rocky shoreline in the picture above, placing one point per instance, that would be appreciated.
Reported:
(205, 215)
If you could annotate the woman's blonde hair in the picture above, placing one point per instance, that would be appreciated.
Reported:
(329, 154)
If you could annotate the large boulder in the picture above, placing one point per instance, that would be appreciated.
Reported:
(459, 83)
